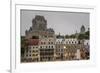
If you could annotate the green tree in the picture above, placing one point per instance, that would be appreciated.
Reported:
(67, 36)
(24, 44)
(81, 36)
(72, 36)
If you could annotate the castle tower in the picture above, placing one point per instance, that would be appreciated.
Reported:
(39, 23)
(39, 28)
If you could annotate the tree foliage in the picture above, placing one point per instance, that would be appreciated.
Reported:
(84, 35)
(24, 44)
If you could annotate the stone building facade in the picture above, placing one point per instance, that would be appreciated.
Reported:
(32, 51)
(66, 49)
(47, 47)
(46, 37)
(70, 49)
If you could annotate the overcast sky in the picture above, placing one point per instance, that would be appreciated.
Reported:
(61, 22)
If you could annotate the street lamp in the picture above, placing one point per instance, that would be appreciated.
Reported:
(64, 47)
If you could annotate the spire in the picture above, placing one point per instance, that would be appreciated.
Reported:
(82, 30)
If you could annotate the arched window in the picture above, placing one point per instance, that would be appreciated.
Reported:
(69, 42)
(51, 42)
(79, 42)
(72, 42)
(40, 46)
(49, 46)
(44, 43)
(52, 46)
(48, 42)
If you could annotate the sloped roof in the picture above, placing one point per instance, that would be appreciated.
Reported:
(33, 42)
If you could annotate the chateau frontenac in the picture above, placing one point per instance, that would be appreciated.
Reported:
(39, 28)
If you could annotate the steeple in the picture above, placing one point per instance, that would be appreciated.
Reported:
(82, 30)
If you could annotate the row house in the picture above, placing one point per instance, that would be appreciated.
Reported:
(47, 47)
(66, 49)
(32, 51)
